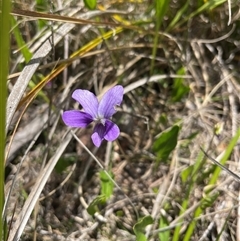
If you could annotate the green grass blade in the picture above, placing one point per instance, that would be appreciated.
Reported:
(161, 8)
(20, 42)
(197, 166)
(205, 202)
(163, 223)
(4, 56)
(212, 181)
(178, 16)
(192, 225)
(139, 227)
(227, 153)
(208, 6)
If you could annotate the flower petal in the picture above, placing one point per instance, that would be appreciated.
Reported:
(88, 101)
(76, 118)
(111, 131)
(110, 99)
(98, 134)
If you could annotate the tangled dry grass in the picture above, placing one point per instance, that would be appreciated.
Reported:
(208, 51)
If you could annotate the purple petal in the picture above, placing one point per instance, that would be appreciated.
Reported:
(110, 99)
(98, 134)
(111, 131)
(88, 101)
(76, 118)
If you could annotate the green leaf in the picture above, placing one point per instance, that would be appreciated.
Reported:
(139, 227)
(164, 236)
(93, 206)
(179, 88)
(186, 173)
(166, 143)
(63, 163)
(161, 8)
(106, 184)
(41, 6)
(90, 4)
(163, 119)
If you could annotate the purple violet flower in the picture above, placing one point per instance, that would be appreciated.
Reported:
(99, 112)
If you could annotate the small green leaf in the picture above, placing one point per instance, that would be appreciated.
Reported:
(41, 6)
(185, 142)
(164, 236)
(166, 143)
(93, 206)
(90, 4)
(139, 227)
(163, 119)
(106, 184)
(186, 173)
(179, 88)
(63, 163)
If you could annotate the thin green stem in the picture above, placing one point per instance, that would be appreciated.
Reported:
(4, 58)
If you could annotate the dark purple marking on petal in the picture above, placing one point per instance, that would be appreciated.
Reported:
(111, 131)
(110, 99)
(76, 118)
(98, 134)
(88, 101)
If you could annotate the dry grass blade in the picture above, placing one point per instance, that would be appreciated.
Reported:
(54, 17)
